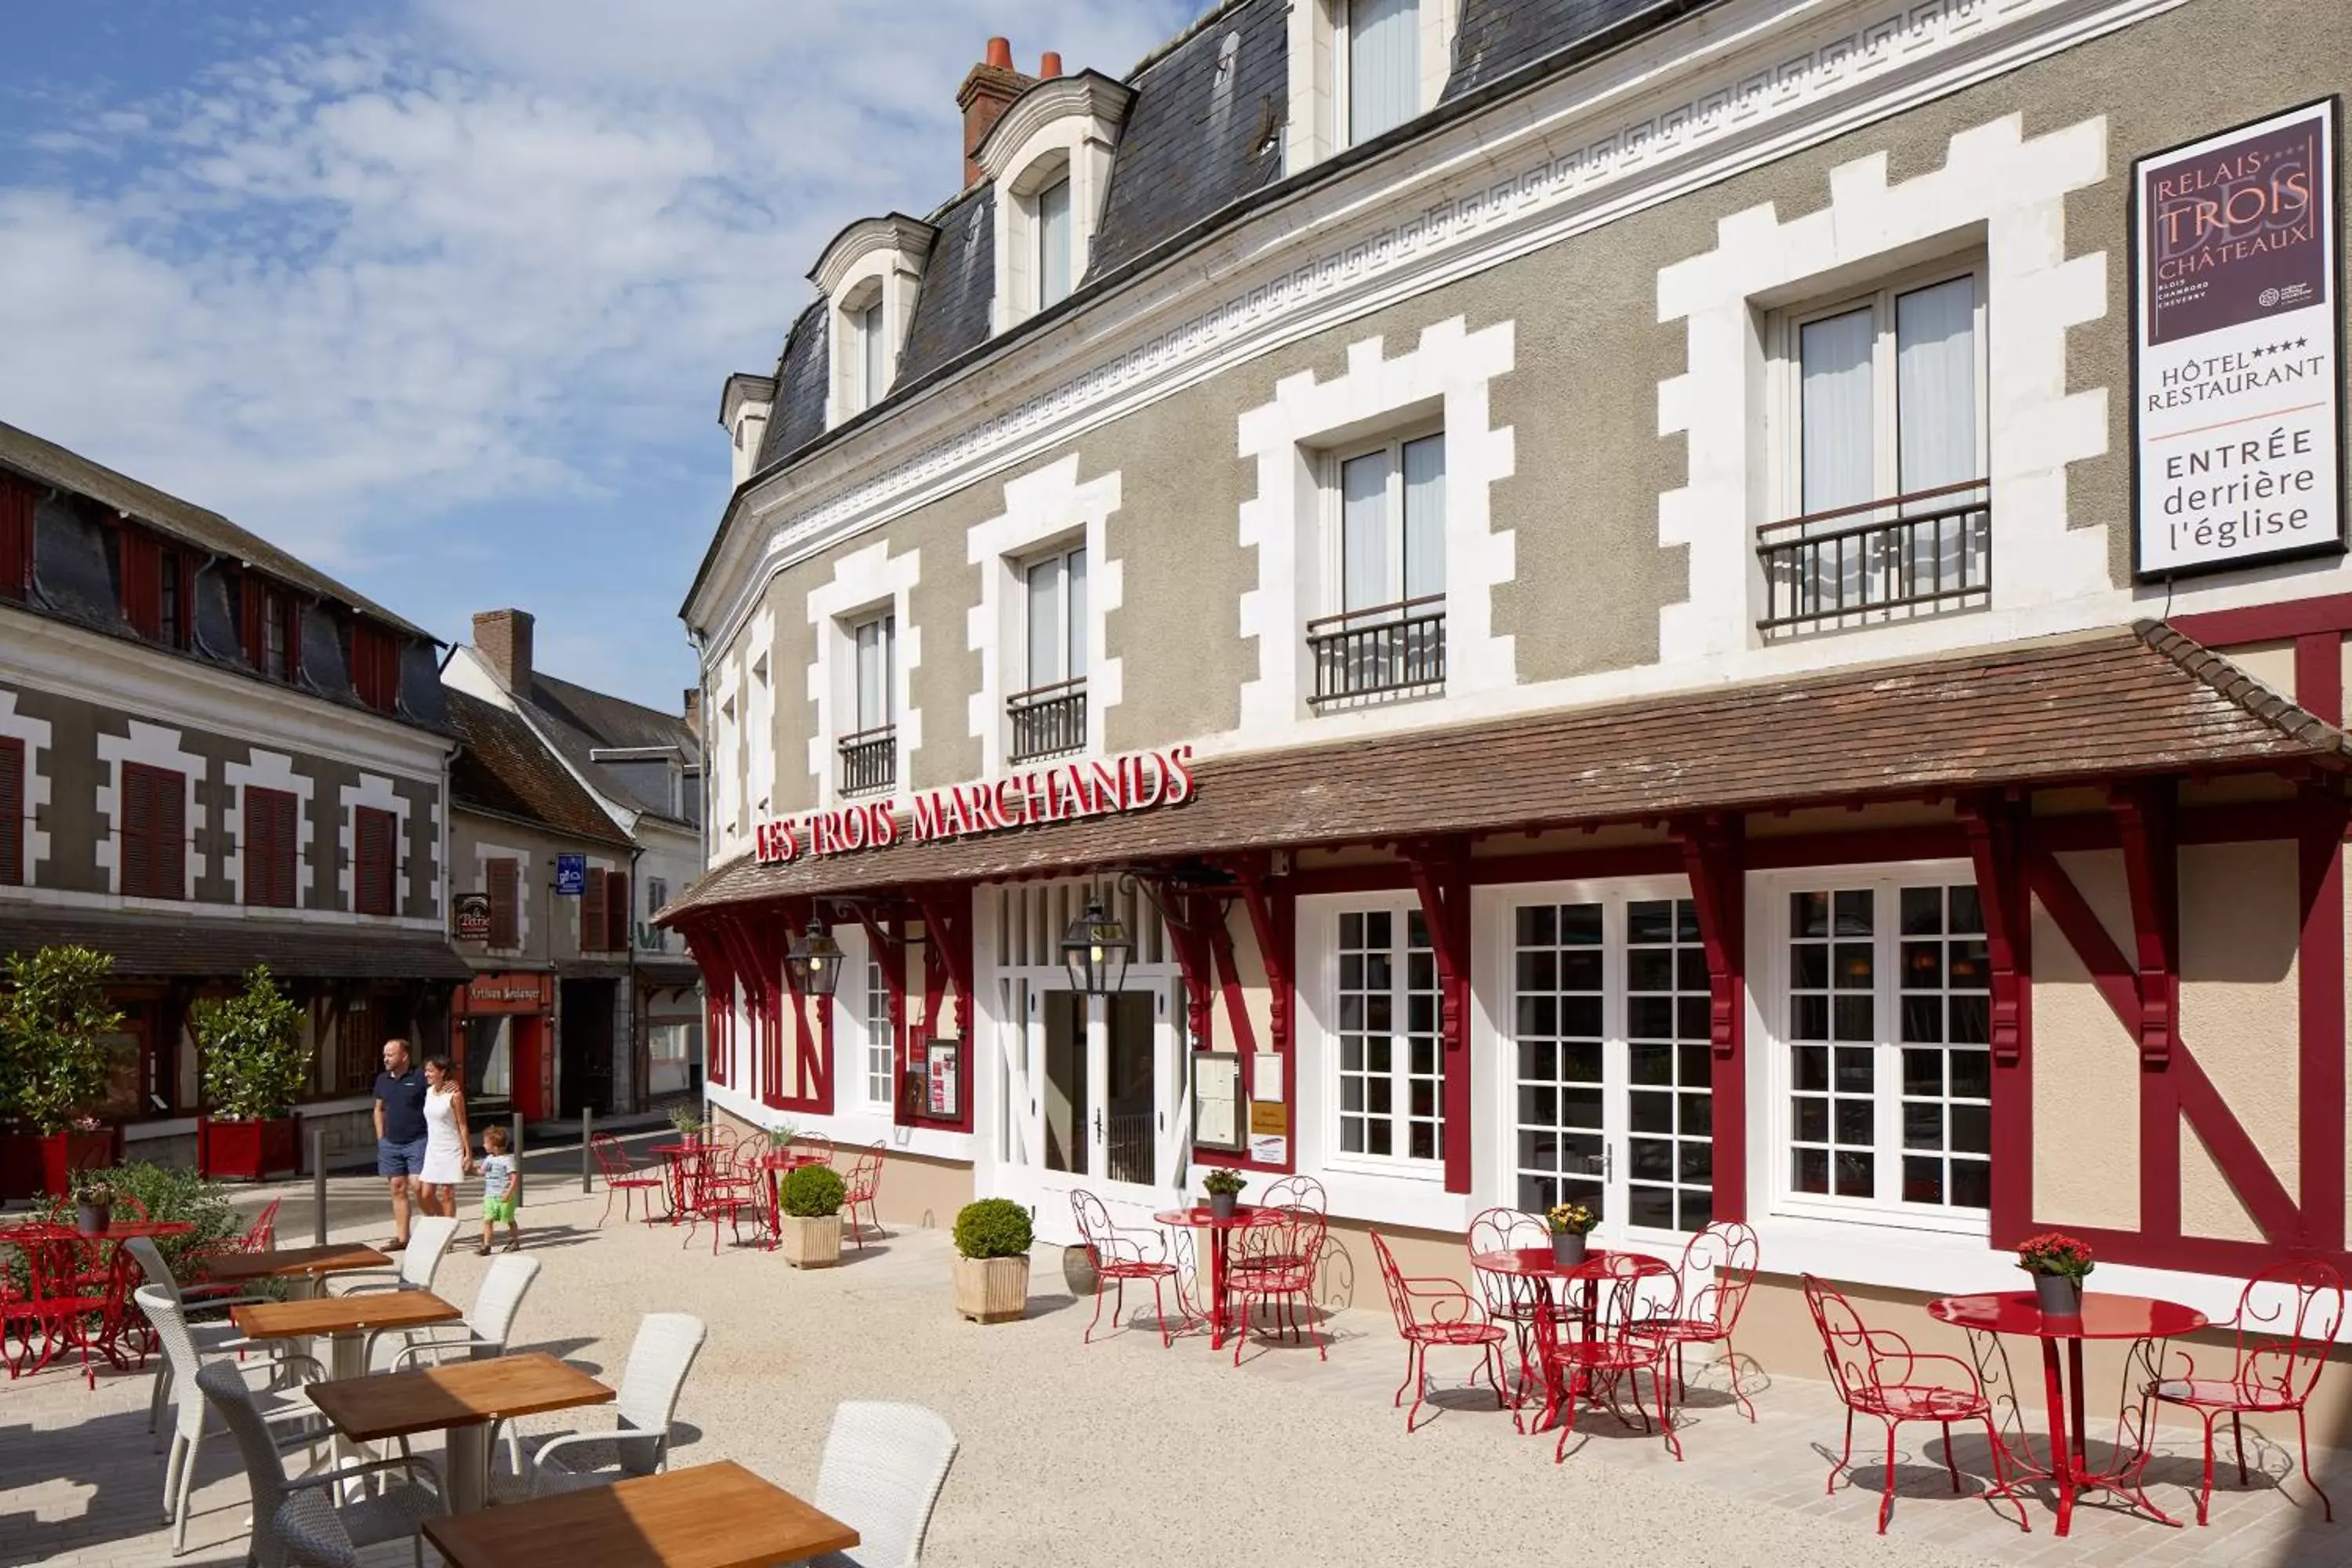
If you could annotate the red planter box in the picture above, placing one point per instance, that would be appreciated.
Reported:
(249, 1150)
(32, 1164)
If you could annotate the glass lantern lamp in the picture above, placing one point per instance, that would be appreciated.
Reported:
(1096, 950)
(813, 961)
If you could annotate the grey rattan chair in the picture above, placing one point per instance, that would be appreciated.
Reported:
(883, 1467)
(659, 1359)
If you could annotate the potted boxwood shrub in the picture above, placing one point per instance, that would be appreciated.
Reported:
(55, 1016)
(992, 1266)
(255, 1066)
(812, 1218)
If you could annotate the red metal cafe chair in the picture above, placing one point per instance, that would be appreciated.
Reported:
(865, 1183)
(1297, 1192)
(1725, 1255)
(1435, 1311)
(1120, 1255)
(613, 1165)
(729, 1185)
(1877, 1374)
(1276, 1264)
(1615, 1347)
(2287, 1317)
(1512, 1298)
(813, 1146)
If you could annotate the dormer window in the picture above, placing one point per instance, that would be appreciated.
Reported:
(1359, 68)
(869, 274)
(1383, 65)
(1050, 157)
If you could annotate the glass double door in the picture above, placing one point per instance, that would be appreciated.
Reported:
(1611, 1072)
(1102, 1115)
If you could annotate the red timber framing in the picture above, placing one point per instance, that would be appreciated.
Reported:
(703, 946)
(749, 946)
(947, 966)
(1713, 853)
(1273, 918)
(1996, 827)
(1441, 877)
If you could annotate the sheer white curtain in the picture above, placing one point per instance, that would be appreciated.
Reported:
(1383, 65)
(873, 640)
(1046, 622)
(1367, 575)
(1936, 424)
(1073, 570)
(869, 341)
(1424, 517)
(1054, 238)
(1835, 425)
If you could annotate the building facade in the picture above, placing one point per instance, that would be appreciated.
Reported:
(628, 1017)
(1596, 588)
(214, 756)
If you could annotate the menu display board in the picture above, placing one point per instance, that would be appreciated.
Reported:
(1217, 1100)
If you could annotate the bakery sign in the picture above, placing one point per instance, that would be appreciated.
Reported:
(1068, 792)
(2236, 347)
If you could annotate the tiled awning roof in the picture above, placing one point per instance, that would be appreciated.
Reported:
(157, 947)
(2080, 709)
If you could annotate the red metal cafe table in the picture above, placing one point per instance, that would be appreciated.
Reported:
(774, 1168)
(682, 1163)
(1538, 1265)
(1220, 1229)
(2144, 1322)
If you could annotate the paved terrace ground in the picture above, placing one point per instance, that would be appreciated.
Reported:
(1125, 1453)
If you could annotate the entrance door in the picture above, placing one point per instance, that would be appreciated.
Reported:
(1099, 1109)
(585, 1040)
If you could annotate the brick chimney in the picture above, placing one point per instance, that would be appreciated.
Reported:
(694, 710)
(503, 639)
(984, 96)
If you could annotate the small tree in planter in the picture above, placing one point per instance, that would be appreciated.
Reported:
(256, 1064)
(992, 1266)
(811, 1219)
(55, 1016)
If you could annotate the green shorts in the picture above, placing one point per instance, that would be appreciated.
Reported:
(497, 1210)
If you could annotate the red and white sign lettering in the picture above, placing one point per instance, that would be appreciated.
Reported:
(1070, 791)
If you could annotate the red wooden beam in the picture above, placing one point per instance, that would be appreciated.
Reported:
(1441, 876)
(2144, 819)
(1714, 859)
(2320, 983)
(948, 933)
(2268, 623)
(1996, 828)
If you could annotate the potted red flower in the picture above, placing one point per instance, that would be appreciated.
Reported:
(2058, 1263)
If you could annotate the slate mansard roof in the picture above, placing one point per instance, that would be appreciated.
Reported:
(1201, 144)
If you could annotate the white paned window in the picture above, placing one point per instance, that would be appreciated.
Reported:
(1393, 524)
(1383, 47)
(1056, 591)
(876, 642)
(1389, 1059)
(881, 1057)
(1670, 1104)
(1055, 238)
(1890, 398)
(1561, 1151)
(1887, 1075)
(874, 373)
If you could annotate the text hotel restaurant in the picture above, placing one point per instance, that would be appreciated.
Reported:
(1888, 789)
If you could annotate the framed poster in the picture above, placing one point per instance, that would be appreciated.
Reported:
(1217, 1100)
(937, 1076)
(2237, 347)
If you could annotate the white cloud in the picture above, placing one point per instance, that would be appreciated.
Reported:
(341, 287)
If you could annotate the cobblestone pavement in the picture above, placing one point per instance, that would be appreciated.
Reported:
(1123, 1452)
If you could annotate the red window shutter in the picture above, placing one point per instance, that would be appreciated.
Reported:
(616, 912)
(12, 809)
(134, 811)
(141, 582)
(16, 503)
(592, 914)
(270, 818)
(374, 834)
(285, 831)
(171, 839)
(506, 928)
(154, 831)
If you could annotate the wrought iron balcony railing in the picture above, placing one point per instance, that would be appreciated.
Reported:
(1926, 553)
(1048, 721)
(1381, 651)
(869, 760)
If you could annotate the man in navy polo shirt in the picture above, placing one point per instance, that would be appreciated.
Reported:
(399, 1130)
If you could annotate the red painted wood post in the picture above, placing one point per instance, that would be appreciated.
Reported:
(1996, 828)
(1714, 860)
(1441, 876)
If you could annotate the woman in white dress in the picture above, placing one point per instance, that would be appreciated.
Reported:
(446, 1142)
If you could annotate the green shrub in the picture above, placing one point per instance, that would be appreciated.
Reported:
(55, 1016)
(812, 1192)
(256, 1064)
(992, 1227)
(168, 1195)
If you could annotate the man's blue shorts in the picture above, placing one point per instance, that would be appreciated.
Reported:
(399, 1159)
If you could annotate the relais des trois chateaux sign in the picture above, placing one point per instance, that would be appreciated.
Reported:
(1068, 792)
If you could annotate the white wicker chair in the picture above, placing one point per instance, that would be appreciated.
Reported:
(883, 1467)
(181, 1354)
(659, 1359)
(420, 1260)
(212, 1337)
(396, 1514)
(481, 1332)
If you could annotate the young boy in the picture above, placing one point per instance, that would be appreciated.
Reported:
(500, 1187)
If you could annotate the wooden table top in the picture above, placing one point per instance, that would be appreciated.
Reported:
(342, 1314)
(236, 1268)
(705, 1516)
(461, 1394)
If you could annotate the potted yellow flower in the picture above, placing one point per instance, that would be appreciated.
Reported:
(1570, 1224)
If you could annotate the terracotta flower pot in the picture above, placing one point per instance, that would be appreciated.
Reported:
(991, 1290)
(810, 1241)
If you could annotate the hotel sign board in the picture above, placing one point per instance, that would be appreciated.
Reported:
(1066, 792)
(2237, 347)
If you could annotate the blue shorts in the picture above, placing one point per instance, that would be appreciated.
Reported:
(399, 1159)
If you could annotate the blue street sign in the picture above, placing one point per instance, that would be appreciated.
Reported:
(570, 876)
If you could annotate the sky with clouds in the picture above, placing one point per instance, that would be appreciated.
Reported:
(439, 294)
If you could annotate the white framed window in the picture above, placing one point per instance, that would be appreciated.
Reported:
(875, 642)
(1387, 1061)
(1378, 52)
(879, 1039)
(1054, 600)
(1612, 1086)
(873, 356)
(1057, 236)
(1389, 541)
(1881, 1070)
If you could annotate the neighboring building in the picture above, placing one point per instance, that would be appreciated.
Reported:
(547, 1014)
(643, 770)
(211, 756)
(1585, 555)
